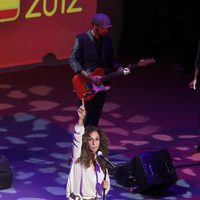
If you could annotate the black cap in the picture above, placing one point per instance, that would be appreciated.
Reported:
(102, 20)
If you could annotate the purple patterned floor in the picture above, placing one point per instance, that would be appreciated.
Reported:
(149, 110)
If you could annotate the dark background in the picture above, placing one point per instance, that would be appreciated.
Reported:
(160, 28)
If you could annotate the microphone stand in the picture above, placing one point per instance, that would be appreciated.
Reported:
(105, 175)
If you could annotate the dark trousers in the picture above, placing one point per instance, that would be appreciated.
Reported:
(94, 109)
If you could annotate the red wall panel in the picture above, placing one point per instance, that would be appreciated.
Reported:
(41, 27)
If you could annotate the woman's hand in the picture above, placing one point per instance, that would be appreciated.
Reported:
(81, 113)
(105, 184)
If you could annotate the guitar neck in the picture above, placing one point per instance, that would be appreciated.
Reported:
(111, 76)
(116, 74)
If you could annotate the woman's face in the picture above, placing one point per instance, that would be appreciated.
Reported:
(94, 141)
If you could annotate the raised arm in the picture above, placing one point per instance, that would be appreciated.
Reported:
(79, 131)
(81, 114)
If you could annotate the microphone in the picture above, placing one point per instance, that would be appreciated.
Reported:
(100, 154)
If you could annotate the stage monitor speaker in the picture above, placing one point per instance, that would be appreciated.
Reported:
(5, 173)
(152, 170)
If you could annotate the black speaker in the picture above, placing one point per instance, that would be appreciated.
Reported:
(5, 173)
(152, 170)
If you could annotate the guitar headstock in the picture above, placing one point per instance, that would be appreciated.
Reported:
(145, 62)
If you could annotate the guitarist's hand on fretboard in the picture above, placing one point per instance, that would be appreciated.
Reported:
(126, 71)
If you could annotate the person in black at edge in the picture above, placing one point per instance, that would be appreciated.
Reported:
(196, 75)
(197, 69)
(93, 50)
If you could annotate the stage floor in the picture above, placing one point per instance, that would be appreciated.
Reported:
(151, 109)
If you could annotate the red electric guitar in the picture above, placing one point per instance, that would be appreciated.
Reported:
(86, 90)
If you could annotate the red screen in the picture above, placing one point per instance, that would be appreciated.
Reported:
(41, 27)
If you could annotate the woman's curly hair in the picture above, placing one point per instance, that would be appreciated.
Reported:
(86, 154)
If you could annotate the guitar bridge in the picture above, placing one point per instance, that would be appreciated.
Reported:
(89, 93)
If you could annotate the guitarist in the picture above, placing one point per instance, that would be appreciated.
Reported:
(93, 50)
